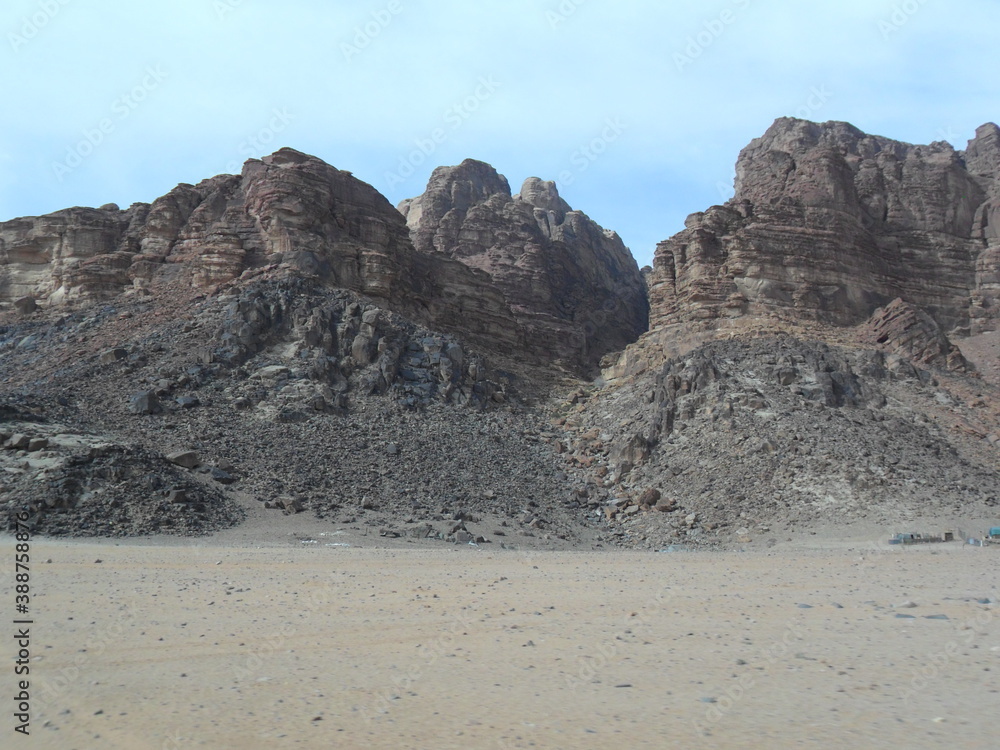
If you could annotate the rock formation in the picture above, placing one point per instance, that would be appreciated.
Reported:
(908, 331)
(293, 210)
(829, 223)
(802, 363)
(288, 332)
(571, 284)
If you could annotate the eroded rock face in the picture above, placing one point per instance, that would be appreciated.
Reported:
(572, 285)
(541, 280)
(910, 332)
(71, 254)
(829, 224)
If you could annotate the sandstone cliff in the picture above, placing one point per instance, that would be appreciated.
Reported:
(571, 284)
(805, 357)
(829, 224)
(295, 211)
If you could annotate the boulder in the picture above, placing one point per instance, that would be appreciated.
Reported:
(290, 505)
(177, 496)
(37, 444)
(25, 305)
(184, 459)
(220, 476)
(144, 402)
(649, 497)
(113, 355)
(19, 442)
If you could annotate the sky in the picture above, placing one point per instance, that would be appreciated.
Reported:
(638, 109)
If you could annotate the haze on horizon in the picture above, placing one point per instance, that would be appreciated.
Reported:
(638, 109)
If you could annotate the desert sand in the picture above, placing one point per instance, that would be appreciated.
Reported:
(302, 641)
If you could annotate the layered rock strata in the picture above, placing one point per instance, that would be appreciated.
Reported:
(571, 284)
(829, 224)
(295, 211)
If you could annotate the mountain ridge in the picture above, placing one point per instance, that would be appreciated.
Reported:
(482, 354)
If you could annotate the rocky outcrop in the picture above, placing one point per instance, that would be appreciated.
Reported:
(571, 284)
(77, 253)
(908, 331)
(82, 484)
(782, 431)
(829, 224)
(335, 345)
(569, 291)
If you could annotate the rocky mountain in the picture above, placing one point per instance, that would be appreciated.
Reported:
(294, 210)
(823, 349)
(280, 330)
(805, 359)
(571, 284)
(829, 223)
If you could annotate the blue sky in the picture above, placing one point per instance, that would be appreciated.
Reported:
(638, 108)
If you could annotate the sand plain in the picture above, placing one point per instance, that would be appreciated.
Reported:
(303, 642)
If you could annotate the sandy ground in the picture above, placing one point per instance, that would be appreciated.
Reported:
(220, 644)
